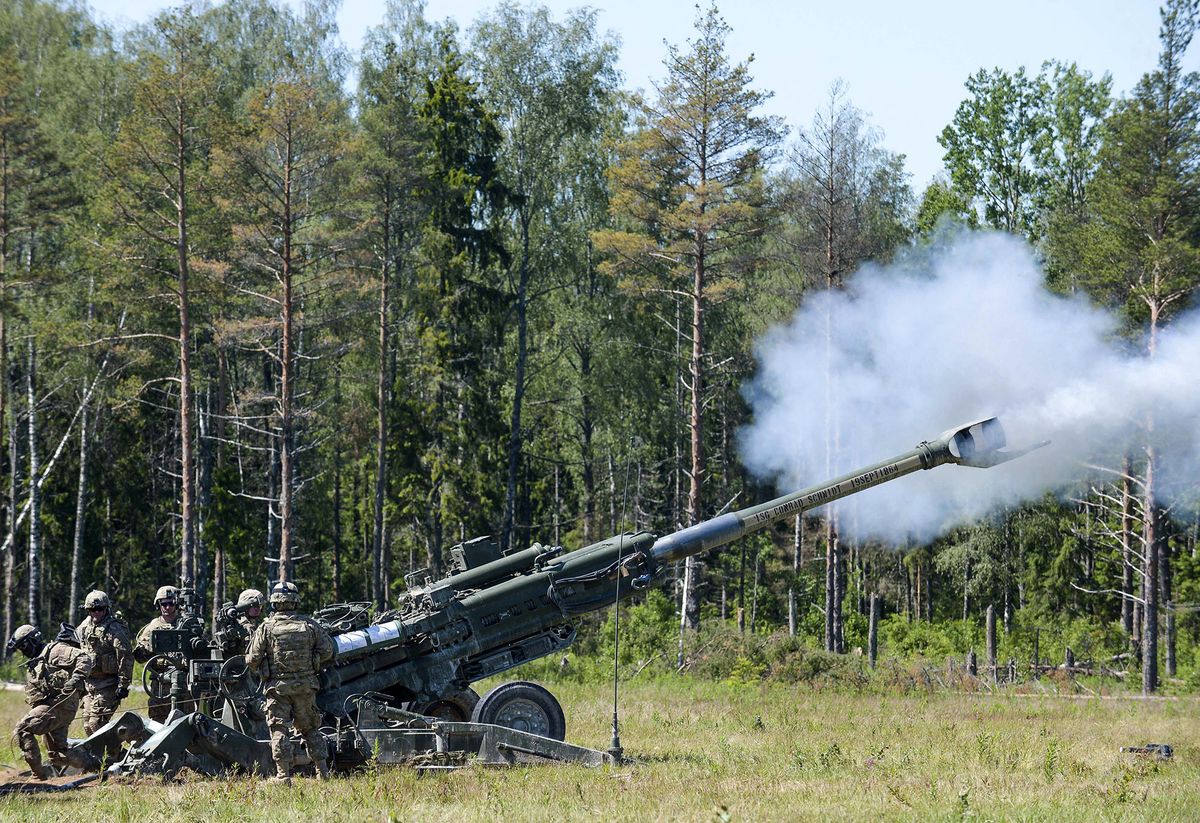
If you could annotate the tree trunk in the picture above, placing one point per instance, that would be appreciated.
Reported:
(831, 583)
(337, 493)
(10, 507)
(741, 605)
(514, 435)
(357, 540)
(287, 365)
(1164, 575)
(754, 597)
(797, 548)
(80, 516)
(1127, 597)
(839, 606)
(271, 531)
(966, 582)
(990, 623)
(918, 573)
(382, 397)
(908, 588)
(612, 494)
(222, 403)
(832, 548)
(1150, 581)
(587, 430)
(927, 563)
(205, 443)
(677, 505)
(187, 491)
(692, 569)
(35, 494)
(14, 468)
(873, 631)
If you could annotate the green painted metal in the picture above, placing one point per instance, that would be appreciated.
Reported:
(478, 622)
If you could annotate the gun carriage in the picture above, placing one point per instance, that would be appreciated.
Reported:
(400, 682)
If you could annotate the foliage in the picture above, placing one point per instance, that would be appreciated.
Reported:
(574, 280)
(997, 144)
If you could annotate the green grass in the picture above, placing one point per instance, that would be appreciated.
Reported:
(719, 751)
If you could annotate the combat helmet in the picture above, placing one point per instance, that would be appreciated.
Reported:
(96, 600)
(251, 597)
(285, 596)
(26, 638)
(165, 593)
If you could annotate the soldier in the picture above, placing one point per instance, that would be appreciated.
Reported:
(287, 651)
(250, 605)
(166, 600)
(54, 678)
(107, 642)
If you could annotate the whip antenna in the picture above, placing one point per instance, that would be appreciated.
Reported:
(614, 747)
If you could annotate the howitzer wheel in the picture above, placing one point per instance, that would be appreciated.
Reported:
(236, 681)
(156, 682)
(456, 707)
(524, 706)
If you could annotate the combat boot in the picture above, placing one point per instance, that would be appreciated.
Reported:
(41, 771)
(283, 774)
(323, 769)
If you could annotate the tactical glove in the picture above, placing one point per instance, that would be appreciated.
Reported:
(122, 691)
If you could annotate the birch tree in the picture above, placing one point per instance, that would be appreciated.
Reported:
(552, 84)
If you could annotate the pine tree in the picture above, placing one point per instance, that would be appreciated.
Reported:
(688, 187)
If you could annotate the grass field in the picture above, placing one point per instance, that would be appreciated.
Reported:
(708, 751)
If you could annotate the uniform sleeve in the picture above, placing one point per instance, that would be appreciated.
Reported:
(142, 650)
(322, 645)
(124, 650)
(256, 652)
(83, 667)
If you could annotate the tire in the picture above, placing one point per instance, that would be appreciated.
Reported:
(456, 707)
(523, 706)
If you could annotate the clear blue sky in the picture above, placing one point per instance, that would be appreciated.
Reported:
(904, 63)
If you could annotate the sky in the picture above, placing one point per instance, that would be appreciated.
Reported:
(904, 63)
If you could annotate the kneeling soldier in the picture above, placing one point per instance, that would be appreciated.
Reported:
(288, 650)
(54, 678)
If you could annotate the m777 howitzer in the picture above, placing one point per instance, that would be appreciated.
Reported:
(400, 684)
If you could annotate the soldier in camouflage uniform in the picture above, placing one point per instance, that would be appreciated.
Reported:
(166, 600)
(287, 651)
(107, 642)
(54, 678)
(250, 607)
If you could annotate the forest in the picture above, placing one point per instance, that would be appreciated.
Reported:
(258, 324)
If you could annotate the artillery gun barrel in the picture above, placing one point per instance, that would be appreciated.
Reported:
(505, 612)
(979, 444)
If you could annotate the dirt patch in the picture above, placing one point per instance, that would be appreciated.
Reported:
(14, 781)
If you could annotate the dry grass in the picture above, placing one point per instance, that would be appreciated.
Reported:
(705, 751)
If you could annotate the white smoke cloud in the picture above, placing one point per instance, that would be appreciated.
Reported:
(947, 336)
